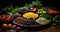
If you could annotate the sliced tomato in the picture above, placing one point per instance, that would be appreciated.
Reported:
(33, 9)
(9, 18)
(53, 11)
(4, 17)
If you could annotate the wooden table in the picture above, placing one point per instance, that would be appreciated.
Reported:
(50, 29)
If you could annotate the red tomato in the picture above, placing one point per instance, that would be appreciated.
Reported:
(56, 12)
(50, 12)
(33, 9)
(53, 11)
(9, 26)
(9, 18)
(18, 28)
(4, 17)
(0, 19)
(4, 25)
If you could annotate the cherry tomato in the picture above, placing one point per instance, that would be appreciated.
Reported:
(9, 26)
(4, 25)
(18, 28)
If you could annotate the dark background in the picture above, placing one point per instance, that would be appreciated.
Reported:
(52, 3)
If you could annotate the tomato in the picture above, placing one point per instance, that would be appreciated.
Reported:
(56, 12)
(4, 17)
(0, 19)
(50, 12)
(33, 9)
(4, 25)
(18, 28)
(9, 18)
(53, 11)
(9, 26)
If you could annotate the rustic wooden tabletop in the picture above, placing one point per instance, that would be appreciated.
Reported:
(50, 29)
